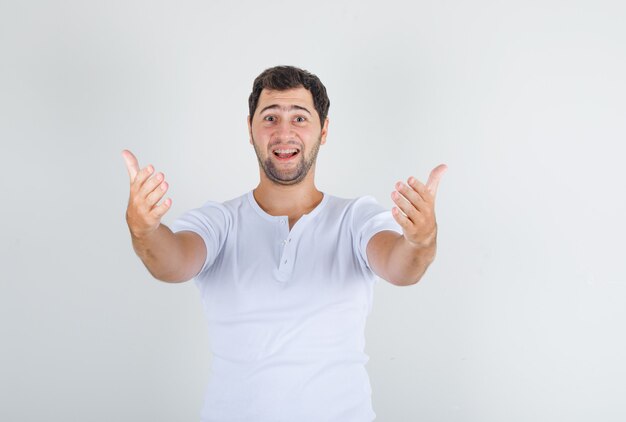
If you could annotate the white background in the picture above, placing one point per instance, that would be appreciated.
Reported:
(520, 318)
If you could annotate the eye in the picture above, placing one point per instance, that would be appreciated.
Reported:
(269, 118)
(300, 119)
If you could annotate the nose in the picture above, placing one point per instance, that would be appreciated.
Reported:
(284, 130)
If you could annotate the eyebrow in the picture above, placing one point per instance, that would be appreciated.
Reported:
(290, 108)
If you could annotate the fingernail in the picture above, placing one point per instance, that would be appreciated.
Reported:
(411, 179)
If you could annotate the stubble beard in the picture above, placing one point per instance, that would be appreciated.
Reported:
(290, 177)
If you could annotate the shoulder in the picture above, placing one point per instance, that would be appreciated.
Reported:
(357, 213)
(365, 207)
(336, 203)
(229, 206)
(211, 213)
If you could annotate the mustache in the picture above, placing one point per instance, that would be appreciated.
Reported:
(290, 142)
(293, 143)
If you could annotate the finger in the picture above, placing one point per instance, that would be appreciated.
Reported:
(410, 194)
(151, 184)
(160, 210)
(401, 219)
(156, 195)
(421, 190)
(132, 165)
(435, 176)
(142, 176)
(407, 208)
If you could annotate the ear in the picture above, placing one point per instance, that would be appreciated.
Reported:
(250, 129)
(324, 132)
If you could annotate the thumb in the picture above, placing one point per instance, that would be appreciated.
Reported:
(435, 176)
(131, 164)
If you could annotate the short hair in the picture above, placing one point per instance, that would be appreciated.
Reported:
(282, 78)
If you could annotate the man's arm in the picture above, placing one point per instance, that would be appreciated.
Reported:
(170, 257)
(403, 259)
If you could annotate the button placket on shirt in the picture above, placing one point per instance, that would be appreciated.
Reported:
(288, 241)
(285, 257)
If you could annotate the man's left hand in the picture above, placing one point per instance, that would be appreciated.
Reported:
(417, 203)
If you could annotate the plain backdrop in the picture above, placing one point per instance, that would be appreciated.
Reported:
(520, 318)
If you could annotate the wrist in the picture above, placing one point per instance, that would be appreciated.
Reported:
(142, 235)
(427, 242)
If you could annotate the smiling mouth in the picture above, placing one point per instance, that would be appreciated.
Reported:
(286, 154)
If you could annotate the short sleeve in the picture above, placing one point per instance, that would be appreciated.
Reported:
(369, 218)
(211, 222)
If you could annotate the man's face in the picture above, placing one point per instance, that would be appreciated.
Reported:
(286, 134)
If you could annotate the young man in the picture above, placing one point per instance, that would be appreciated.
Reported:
(286, 272)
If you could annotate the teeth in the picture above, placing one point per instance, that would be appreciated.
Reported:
(285, 151)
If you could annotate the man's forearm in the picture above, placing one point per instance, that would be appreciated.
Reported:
(399, 261)
(163, 254)
(407, 263)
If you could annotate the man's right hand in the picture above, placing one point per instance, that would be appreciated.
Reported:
(144, 214)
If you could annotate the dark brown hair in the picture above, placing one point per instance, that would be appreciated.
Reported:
(282, 78)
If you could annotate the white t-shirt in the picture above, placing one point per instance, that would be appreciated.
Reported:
(286, 309)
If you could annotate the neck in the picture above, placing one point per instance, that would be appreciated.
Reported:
(290, 200)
